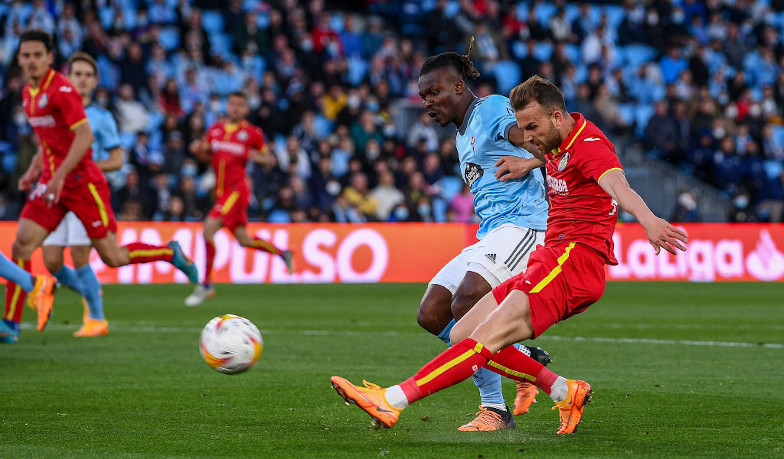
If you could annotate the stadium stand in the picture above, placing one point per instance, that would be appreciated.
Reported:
(693, 90)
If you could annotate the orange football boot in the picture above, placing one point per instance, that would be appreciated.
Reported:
(488, 420)
(370, 398)
(526, 396)
(571, 408)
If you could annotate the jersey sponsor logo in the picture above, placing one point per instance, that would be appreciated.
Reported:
(45, 121)
(490, 256)
(563, 162)
(228, 147)
(43, 101)
(473, 172)
(558, 186)
(66, 89)
(97, 223)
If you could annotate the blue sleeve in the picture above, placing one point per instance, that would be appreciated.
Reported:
(500, 117)
(106, 132)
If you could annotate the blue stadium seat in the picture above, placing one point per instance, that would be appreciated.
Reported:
(519, 50)
(642, 114)
(212, 21)
(615, 15)
(450, 186)
(106, 16)
(543, 51)
(440, 206)
(627, 113)
(773, 169)
(169, 38)
(357, 68)
(544, 12)
(220, 44)
(507, 75)
(323, 125)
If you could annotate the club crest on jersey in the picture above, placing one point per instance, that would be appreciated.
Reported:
(562, 163)
(43, 101)
(242, 135)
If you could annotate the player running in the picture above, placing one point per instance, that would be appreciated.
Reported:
(231, 143)
(83, 73)
(23, 281)
(563, 277)
(513, 218)
(69, 180)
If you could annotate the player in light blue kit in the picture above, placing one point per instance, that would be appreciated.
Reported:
(513, 218)
(108, 156)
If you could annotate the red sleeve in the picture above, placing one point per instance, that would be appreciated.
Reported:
(258, 139)
(594, 158)
(69, 103)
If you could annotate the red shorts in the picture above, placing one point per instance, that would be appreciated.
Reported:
(232, 208)
(560, 281)
(90, 202)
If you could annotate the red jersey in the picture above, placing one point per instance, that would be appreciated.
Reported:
(230, 145)
(54, 110)
(580, 210)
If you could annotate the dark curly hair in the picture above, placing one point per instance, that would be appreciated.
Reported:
(461, 63)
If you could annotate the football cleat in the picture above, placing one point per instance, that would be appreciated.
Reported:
(287, 256)
(538, 354)
(526, 396)
(92, 327)
(8, 334)
(181, 262)
(42, 297)
(200, 295)
(571, 408)
(490, 419)
(370, 398)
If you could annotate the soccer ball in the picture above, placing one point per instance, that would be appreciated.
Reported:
(230, 344)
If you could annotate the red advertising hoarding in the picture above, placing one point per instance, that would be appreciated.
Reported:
(412, 252)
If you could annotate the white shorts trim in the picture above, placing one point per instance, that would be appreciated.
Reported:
(69, 232)
(501, 254)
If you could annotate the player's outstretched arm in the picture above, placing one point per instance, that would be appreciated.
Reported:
(261, 156)
(661, 234)
(114, 161)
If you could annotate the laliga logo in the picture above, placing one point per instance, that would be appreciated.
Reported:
(765, 263)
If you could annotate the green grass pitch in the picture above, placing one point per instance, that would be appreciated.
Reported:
(678, 370)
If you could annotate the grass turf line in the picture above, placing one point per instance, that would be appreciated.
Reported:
(143, 390)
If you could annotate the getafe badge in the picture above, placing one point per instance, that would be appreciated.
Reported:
(562, 163)
(242, 135)
(43, 101)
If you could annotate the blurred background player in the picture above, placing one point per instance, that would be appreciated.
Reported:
(564, 277)
(513, 218)
(230, 143)
(83, 73)
(69, 179)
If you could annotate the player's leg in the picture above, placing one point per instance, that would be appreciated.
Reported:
(205, 290)
(246, 240)
(499, 325)
(91, 204)
(502, 254)
(53, 247)
(94, 322)
(29, 236)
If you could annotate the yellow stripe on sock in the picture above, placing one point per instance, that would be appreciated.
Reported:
(150, 253)
(452, 363)
(509, 371)
(557, 270)
(99, 202)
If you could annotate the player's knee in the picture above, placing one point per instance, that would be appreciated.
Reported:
(429, 318)
(463, 302)
(22, 249)
(111, 260)
(53, 265)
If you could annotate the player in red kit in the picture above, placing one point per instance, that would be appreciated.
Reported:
(69, 178)
(231, 143)
(563, 277)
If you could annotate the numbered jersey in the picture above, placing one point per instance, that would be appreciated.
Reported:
(580, 210)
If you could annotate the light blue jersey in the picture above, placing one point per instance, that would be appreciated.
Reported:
(481, 141)
(106, 139)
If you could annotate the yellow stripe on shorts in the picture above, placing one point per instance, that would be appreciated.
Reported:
(99, 202)
(557, 270)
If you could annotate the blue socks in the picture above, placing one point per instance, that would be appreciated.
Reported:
(92, 291)
(444, 335)
(67, 277)
(83, 281)
(488, 382)
(13, 272)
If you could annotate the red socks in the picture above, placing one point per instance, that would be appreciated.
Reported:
(140, 252)
(15, 296)
(209, 250)
(448, 368)
(513, 364)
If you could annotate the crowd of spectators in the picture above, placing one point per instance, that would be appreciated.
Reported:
(698, 83)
